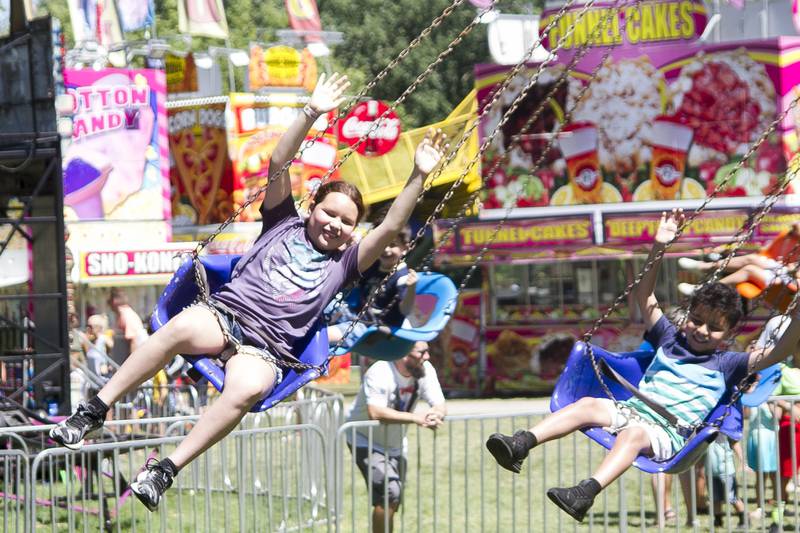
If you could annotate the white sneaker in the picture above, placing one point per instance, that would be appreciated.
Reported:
(714, 256)
(758, 514)
(687, 289)
(687, 263)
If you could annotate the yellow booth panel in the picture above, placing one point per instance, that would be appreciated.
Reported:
(382, 178)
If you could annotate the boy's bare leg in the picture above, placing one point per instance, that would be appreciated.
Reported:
(586, 412)
(629, 444)
(576, 501)
(511, 451)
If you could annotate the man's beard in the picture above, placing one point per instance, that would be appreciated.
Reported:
(417, 372)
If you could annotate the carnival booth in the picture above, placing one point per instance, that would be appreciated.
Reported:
(648, 120)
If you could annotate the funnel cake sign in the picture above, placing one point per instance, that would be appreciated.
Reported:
(117, 164)
(664, 122)
(643, 23)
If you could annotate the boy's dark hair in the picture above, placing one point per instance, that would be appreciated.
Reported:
(405, 235)
(721, 298)
(349, 190)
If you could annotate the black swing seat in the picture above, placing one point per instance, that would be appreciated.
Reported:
(579, 380)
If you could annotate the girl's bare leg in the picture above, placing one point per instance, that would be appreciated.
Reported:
(194, 331)
(247, 380)
(746, 273)
(737, 262)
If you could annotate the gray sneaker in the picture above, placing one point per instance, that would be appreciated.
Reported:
(83, 424)
(151, 484)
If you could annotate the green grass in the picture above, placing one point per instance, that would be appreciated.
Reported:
(452, 485)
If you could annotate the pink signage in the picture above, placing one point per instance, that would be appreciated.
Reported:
(117, 166)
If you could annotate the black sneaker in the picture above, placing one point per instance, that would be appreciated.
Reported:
(151, 484)
(509, 452)
(575, 501)
(83, 424)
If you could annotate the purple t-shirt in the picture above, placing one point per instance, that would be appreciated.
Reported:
(281, 285)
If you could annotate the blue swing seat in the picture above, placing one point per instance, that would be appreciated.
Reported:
(435, 301)
(768, 381)
(579, 380)
(182, 291)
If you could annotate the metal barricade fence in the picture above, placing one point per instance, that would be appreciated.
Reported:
(277, 475)
(159, 401)
(14, 490)
(254, 480)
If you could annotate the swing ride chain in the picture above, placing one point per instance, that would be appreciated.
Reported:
(310, 142)
(515, 140)
(465, 136)
(464, 139)
(256, 194)
(772, 197)
(660, 254)
(537, 165)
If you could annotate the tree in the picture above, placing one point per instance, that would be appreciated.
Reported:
(375, 31)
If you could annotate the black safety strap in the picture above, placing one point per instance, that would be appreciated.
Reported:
(649, 402)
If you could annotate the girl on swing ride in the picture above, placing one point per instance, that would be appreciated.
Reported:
(689, 375)
(760, 269)
(277, 293)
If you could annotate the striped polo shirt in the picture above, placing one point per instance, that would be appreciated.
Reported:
(689, 385)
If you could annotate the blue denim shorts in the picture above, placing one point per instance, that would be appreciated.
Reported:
(234, 339)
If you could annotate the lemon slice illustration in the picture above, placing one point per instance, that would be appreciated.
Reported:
(643, 192)
(610, 194)
(692, 190)
(563, 196)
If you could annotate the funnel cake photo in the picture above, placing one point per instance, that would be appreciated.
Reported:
(622, 102)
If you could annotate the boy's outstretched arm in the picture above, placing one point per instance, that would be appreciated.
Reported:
(327, 96)
(644, 292)
(407, 303)
(428, 154)
(785, 347)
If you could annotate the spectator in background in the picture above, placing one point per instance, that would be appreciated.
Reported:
(99, 342)
(723, 478)
(388, 393)
(128, 322)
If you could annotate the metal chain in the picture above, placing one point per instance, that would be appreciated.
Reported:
(309, 142)
(537, 165)
(465, 137)
(202, 287)
(410, 89)
(649, 264)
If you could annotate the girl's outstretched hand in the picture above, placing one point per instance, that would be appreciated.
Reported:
(329, 92)
(668, 225)
(431, 150)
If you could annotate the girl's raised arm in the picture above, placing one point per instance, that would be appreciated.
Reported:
(429, 153)
(327, 95)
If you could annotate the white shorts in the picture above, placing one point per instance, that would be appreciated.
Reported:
(777, 273)
(623, 417)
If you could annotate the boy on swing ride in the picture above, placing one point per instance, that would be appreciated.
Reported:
(276, 294)
(688, 375)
